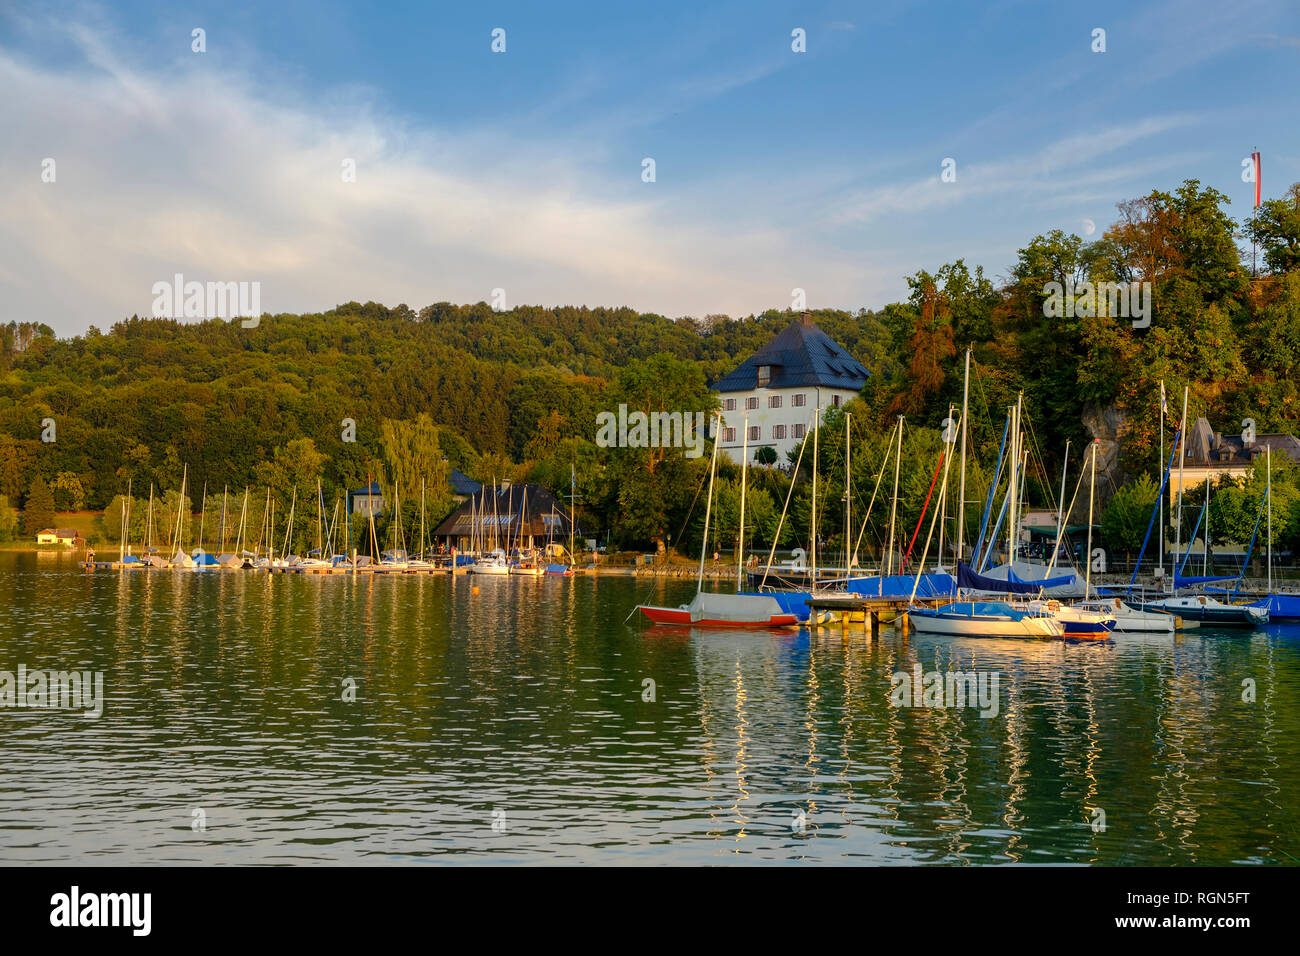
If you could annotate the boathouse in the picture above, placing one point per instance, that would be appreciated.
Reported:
(776, 391)
(508, 516)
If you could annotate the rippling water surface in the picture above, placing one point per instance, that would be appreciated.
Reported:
(512, 726)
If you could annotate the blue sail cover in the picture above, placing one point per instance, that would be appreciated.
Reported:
(1282, 608)
(969, 580)
(792, 602)
(899, 586)
(1182, 582)
(1064, 580)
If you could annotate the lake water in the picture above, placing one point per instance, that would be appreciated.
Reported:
(512, 726)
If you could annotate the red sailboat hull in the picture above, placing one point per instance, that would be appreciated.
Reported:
(681, 616)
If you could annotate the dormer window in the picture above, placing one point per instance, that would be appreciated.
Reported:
(764, 375)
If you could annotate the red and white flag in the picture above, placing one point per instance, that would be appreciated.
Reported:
(1255, 157)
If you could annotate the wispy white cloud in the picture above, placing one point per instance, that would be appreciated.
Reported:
(1054, 169)
(197, 171)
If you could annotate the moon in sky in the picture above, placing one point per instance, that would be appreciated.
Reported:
(1089, 227)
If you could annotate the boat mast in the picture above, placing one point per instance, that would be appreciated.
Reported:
(1270, 518)
(1160, 499)
(240, 542)
(817, 417)
(573, 510)
(148, 533)
(1060, 503)
(180, 506)
(740, 543)
(221, 547)
(265, 528)
(708, 505)
(422, 517)
(1013, 512)
(203, 512)
(126, 523)
(893, 509)
(961, 491)
(288, 528)
(848, 487)
(1092, 487)
(943, 502)
(1205, 552)
(1178, 522)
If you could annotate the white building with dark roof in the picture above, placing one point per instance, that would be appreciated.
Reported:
(1211, 455)
(776, 392)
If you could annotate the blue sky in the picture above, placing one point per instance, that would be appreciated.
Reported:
(522, 170)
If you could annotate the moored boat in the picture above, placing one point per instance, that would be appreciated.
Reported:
(985, 619)
(1130, 620)
(710, 609)
(1208, 610)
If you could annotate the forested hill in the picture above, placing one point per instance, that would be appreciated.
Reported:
(151, 394)
(516, 393)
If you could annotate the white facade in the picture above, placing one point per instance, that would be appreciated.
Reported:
(779, 419)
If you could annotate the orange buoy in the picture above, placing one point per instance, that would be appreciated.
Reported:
(475, 590)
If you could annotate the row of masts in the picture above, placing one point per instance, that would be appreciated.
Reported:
(327, 530)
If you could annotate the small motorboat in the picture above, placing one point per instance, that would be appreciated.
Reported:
(1079, 622)
(494, 563)
(1129, 620)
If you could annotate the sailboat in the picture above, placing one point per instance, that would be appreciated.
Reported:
(180, 559)
(528, 563)
(1197, 607)
(316, 559)
(125, 559)
(494, 562)
(982, 618)
(395, 560)
(420, 562)
(712, 609)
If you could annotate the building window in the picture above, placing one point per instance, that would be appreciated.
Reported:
(751, 402)
(835, 400)
(778, 431)
(800, 400)
(764, 375)
(728, 435)
(755, 433)
(774, 401)
(730, 405)
(798, 431)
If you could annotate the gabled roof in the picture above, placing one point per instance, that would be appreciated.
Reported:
(801, 355)
(370, 489)
(1208, 448)
(541, 513)
(462, 484)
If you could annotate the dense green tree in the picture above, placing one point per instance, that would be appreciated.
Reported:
(38, 509)
(1127, 516)
(1276, 227)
